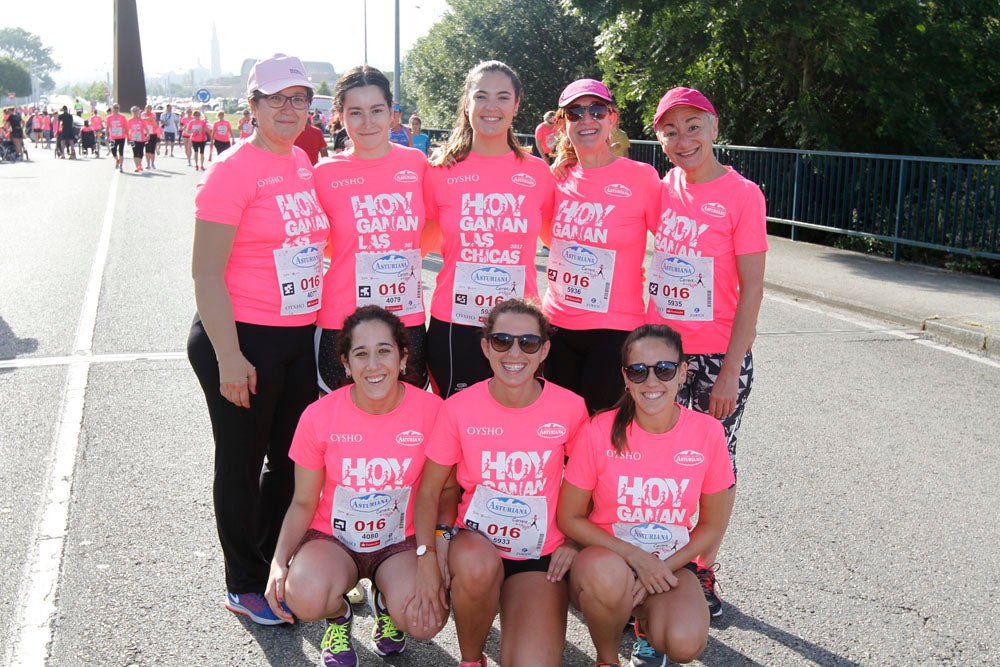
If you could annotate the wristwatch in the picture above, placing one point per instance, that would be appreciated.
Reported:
(424, 548)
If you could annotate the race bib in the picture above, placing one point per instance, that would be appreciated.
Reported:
(136, 134)
(580, 276)
(222, 131)
(390, 280)
(659, 539)
(300, 277)
(516, 525)
(480, 287)
(682, 288)
(366, 522)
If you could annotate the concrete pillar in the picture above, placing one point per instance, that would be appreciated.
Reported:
(130, 80)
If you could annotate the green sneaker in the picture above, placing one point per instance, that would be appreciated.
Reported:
(336, 644)
(387, 638)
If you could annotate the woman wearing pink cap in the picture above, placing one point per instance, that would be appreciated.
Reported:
(503, 441)
(605, 208)
(489, 199)
(637, 476)
(373, 194)
(707, 275)
(258, 270)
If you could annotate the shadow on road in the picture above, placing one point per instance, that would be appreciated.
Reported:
(11, 346)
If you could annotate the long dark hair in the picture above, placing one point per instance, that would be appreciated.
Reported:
(459, 144)
(399, 336)
(357, 77)
(625, 406)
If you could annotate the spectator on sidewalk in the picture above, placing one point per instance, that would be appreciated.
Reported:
(312, 141)
(547, 136)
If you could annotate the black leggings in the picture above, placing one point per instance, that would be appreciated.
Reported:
(588, 362)
(455, 357)
(251, 495)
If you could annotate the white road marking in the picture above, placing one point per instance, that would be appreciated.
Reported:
(36, 362)
(32, 630)
(872, 326)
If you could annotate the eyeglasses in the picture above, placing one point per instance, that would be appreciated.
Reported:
(529, 343)
(277, 100)
(665, 371)
(597, 111)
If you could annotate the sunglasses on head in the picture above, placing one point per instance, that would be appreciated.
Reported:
(597, 111)
(529, 343)
(665, 371)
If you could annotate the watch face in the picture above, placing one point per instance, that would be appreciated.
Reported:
(422, 549)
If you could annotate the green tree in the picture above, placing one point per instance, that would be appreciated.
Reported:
(889, 76)
(323, 88)
(14, 78)
(27, 48)
(544, 44)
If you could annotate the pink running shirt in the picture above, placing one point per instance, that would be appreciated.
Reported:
(117, 126)
(362, 451)
(659, 478)
(490, 210)
(96, 122)
(376, 211)
(721, 219)
(198, 129)
(136, 130)
(272, 200)
(222, 131)
(601, 222)
(519, 451)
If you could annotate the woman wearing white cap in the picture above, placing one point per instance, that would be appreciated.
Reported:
(604, 210)
(257, 267)
(707, 274)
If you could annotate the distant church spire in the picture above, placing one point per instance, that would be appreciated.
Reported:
(216, 65)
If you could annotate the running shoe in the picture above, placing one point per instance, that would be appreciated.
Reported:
(336, 644)
(388, 639)
(643, 653)
(706, 575)
(253, 605)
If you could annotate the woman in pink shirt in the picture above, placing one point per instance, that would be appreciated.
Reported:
(487, 200)
(136, 128)
(197, 129)
(373, 194)
(605, 208)
(359, 454)
(257, 264)
(707, 274)
(504, 440)
(222, 134)
(117, 132)
(648, 466)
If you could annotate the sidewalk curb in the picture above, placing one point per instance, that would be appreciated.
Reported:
(971, 337)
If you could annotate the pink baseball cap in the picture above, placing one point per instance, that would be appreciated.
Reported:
(582, 87)
(682, 97)
(277, 73)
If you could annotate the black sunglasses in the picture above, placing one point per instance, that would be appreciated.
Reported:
(529, 343)
(598, 111)
(665, 371)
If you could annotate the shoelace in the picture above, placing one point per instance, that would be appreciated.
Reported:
(337, 638)
(643, 648)
(388, 628)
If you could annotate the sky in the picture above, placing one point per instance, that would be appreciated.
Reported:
(180, 39)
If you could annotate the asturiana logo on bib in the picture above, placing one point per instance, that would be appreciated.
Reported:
(307, 258)
(406, 176)
(410, 438)
(526, 180)
(677, 267)
(689, 457)
(491, 276)
(391, 264)
(551, 430)
(617, 190)
(651, 533)
(304, 173)
(714, 209)
(579, 256)
(508, 507)
(371, 502)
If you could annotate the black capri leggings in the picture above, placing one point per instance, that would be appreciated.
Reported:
(454, 356)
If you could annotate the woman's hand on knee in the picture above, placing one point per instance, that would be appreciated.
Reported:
(562, 559)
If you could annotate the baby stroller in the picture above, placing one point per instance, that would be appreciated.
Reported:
(8, 152)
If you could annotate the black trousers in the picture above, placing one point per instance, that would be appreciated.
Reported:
(588, 362)
(455, 357)
(254, 478)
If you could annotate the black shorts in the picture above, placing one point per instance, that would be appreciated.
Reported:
(169, 136)
(137, 148)
(455, 357)
(151, 143)
(221, 146)
(118, 147)
(199, 146)
(512, 567)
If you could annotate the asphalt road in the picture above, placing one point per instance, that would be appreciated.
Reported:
(864, 532)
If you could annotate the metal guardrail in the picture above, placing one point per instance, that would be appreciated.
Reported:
(935, 203)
